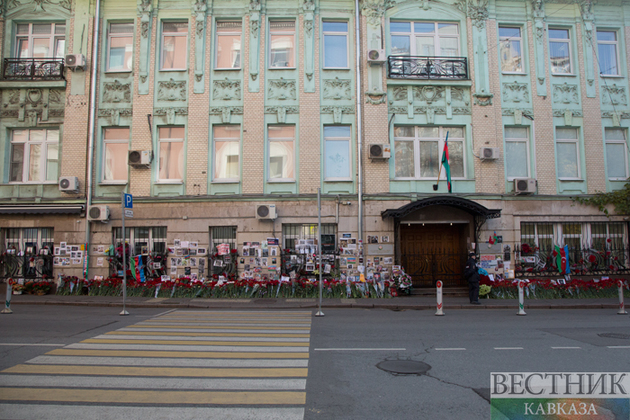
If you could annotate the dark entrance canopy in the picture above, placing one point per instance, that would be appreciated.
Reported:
(468, 206)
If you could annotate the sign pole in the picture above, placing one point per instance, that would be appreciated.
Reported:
(319, 233)
(521, 298)
(7, 302)
(440, 306)
(124, 252)
(622, 308)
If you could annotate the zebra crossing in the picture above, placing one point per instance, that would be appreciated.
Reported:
(180, 365)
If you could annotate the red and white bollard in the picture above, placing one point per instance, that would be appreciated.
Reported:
(622, 308)
(7, 302)
(440, 306)
(521, 298)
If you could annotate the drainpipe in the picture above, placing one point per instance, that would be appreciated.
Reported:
(91, 131)
(359, 122)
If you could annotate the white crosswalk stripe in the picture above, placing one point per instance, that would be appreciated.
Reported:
(179, 365)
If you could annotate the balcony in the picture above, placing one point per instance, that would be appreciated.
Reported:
(36, 69)
(427, 68)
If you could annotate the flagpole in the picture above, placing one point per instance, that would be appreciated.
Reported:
(435, 186)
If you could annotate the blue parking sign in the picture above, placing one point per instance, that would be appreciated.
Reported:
(128, 201)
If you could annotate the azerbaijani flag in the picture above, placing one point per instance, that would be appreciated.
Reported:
(447, 168)
(562, 259)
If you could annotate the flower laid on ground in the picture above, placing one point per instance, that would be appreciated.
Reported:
(484, 290)
(38, 287)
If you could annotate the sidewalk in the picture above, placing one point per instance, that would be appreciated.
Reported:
(397, 303)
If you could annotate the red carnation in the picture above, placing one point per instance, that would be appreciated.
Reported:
(609, 240)
(592, 258)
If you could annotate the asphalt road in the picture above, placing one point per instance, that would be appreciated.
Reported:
(345, 347)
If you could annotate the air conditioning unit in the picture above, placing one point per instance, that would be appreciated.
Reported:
(98, 213)
(75, 60)
(69, 184)
(376, 56)
(524, 185)
(489, 153)
(266, 212)
(380, 151)
(140, 158)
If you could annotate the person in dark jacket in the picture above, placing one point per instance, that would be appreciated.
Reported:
(472, 275)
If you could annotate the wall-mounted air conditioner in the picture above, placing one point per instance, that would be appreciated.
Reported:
(266, 211)
(69, 184)
(524, 185)
(140, 158)
(489, 153)
(98, 213)
(376, 56)
(380, 151)
(75, 61)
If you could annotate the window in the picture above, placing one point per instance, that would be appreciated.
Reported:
(30, 241)
(595, 235)
(228, 49)
(537, 235)
(560, 51)
(510, 48)
(567, 152)
(292, 233)
(34, 155)
(142, 240)
(119, 46)
(427, 39)
(226, 152)
(282, 44)
(174, 45)
(517, 152)
(40, 40)
(607, 53)
(418, 151)
(222, 235)
(115, 153)
(281, 152)
(616, 154)
(171, 156)
(337, 164)
(335, 44)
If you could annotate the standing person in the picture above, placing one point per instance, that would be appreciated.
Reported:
(472, 275)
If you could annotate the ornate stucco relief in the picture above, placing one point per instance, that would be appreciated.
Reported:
(565, 94)
(226, 90)
(282, 89)
(337, 89)
(116, 92)
(171, 91)
(170, 113)
(337, 112)
(226, 112)
(114, 114)
(32, 103)
(516, 92)
(614, 95)
(281, 112)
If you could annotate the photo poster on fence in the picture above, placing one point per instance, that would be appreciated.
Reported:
(492, 263)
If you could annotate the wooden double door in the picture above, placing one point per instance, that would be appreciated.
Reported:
(433, 252)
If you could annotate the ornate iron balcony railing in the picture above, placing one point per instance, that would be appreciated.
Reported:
(411, 67)
(33, 69)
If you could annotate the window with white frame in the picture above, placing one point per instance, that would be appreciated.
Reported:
(560, 51)
(115, 153)
(517, 152)
(228, 45)
(40, 40)
(418, 151)
(337, 163)
(174, 45)
(282, 44)
(29, 241)
(568, 153)
(119, 46)
(281, 152)
(511, 49)
(171, 153)
(607, 53)
(34, 156)
(226, 140)
(427, 39)
(142, 240)
(616, 153)
(335, 44)
(577, 235)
